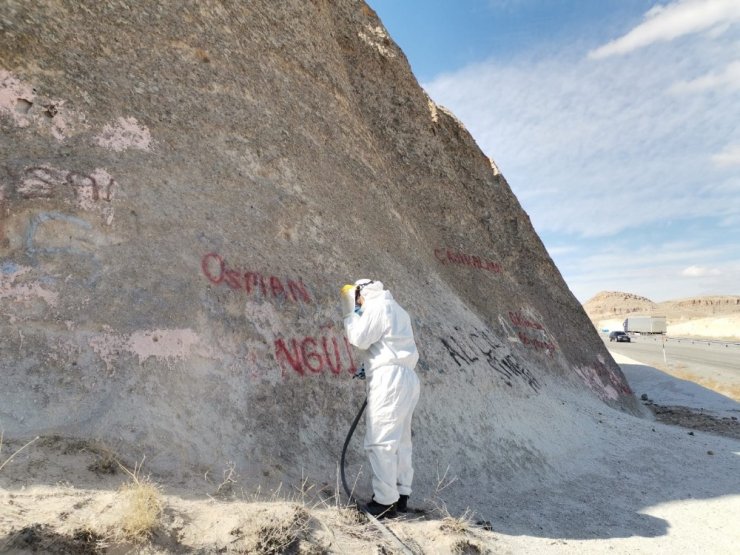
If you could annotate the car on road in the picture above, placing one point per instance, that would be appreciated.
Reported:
(619, 336)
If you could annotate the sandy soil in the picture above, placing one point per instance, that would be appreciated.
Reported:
(720, 327)
(696, 420)
(683, 402)
(654, 486)
(61, 495)
(657, 488)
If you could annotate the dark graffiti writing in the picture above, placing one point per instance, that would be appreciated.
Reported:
(43, 182)
(314, 355)
(477, 345)
(450, 256)
(218, 272)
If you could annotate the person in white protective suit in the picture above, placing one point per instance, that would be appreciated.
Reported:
(383, 329)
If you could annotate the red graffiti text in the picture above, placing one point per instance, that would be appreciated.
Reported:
(521, 322)
(449, 256)
(531, 333)
(537, 344)
(314, 355)
(218, 272)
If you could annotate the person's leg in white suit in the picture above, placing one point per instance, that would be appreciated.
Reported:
(393, 392)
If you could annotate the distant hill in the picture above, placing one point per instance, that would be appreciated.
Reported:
(701, 307)
(613, 304)
(711, 316)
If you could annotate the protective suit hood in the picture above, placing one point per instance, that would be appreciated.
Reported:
(371, 289)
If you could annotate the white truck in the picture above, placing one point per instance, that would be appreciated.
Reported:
(645, 324)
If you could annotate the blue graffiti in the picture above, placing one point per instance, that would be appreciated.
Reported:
(33, 251)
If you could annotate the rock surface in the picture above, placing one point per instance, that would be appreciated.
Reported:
(184, 188)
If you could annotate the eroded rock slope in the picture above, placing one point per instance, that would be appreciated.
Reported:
(185, 186)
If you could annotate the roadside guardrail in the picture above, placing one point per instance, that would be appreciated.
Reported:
(690, 340)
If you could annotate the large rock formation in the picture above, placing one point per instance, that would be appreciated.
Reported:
(615, 304)
(184, 188)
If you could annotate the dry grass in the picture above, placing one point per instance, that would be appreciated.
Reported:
(141, 507)
(350, 516)
(42, 538)
(280, 533)
(466, 547)
(457, 524)
(10, 458)
(229, 482)
(682, 372)
(104, 463)
(462, 525)
(317, 517)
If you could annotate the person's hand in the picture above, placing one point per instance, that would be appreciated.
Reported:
(360, 374)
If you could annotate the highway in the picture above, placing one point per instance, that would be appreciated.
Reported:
(713, 364)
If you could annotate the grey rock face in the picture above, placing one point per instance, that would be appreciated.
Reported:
(184, 186)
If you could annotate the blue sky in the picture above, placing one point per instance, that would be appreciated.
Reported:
(616, 123)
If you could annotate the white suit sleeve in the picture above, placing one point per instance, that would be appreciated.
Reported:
(363, 331)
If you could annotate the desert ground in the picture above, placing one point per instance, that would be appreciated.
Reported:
(720, 327)
(663, 485)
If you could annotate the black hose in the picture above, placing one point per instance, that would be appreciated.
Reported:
(344, 449)
(390, 536)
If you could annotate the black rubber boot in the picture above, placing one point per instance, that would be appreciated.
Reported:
(381, 511)
(402, 504)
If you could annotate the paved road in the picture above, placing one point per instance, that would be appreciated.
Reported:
(715, 365)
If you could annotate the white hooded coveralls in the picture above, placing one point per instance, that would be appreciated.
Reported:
(384, 330)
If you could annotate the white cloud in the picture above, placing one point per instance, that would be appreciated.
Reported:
(729, 77)
(607, 142)
(607, 159)
(700, 271)
(730, 156)
(631, 259)
(671, 21)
